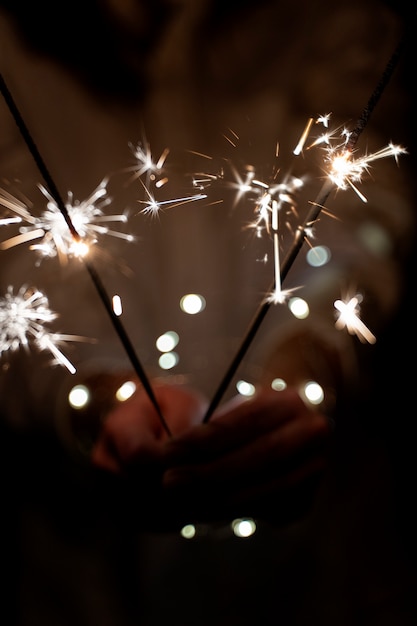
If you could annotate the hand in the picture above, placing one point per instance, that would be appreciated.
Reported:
(261, 457)
(132, 435)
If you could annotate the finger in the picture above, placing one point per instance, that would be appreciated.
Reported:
(132, 433)
(308, 434)
(235, 425)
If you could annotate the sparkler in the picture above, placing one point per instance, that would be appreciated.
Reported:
(344, 170)
(51, 230)
(57, 199)
(22, 320)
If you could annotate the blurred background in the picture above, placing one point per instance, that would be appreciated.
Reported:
(211, 93)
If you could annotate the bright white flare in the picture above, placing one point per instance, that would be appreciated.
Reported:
(343, 168)
(23, 317)
(145, 163)
(51, 229)
(349, 318)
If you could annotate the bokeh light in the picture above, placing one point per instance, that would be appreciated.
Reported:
(168, 341)
(125, 391)
(245, 388)
(168, 360)
(79, 396)
(299, 308)
(192, 303)
(318, 256)
(244, 527)
(313, 392)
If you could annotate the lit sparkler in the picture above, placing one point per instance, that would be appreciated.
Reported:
(343, 168)
(23, 320)
(106, 301)
(271, 197)
(344, 171)
(51, 228)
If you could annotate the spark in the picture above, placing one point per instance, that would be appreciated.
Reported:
(324, 119)
(280, 296)
(5, 221)
(269, 196)
(145, 163)
(23, 317)
(343, 168)
(300, 145)
(233, 139)
(51, 229)
(348, 318)
(154, 206)
(270, 199)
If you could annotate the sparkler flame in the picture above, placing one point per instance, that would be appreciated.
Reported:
(348, 318)
(343, 168)
(51, 228)
(23, 317)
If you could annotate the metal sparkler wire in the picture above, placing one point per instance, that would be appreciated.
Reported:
(300, 233)
(53, 190)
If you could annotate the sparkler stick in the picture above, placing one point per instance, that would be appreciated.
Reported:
(118, 326)
(300, 233)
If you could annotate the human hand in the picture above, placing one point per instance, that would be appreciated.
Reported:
(261, 456)
(132, 435)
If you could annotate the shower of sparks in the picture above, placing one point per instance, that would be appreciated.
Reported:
(153, 175)
(271, 197)
(348, 317)
(277, 195)
(343, 169)
(146, 165)
(344, 172)
(51, 228)
(23, 317)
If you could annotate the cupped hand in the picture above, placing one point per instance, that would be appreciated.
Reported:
(262, 456)
(133, 435)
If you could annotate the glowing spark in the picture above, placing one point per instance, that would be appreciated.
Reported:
(344, 169)
(52, 230)
(277, 270)
(349, 318)
(324, 119)
(10, 220)
(154, 206)
(300, 145)
(22, 320)
(279, 296)
(232, 140)
(145, 163)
